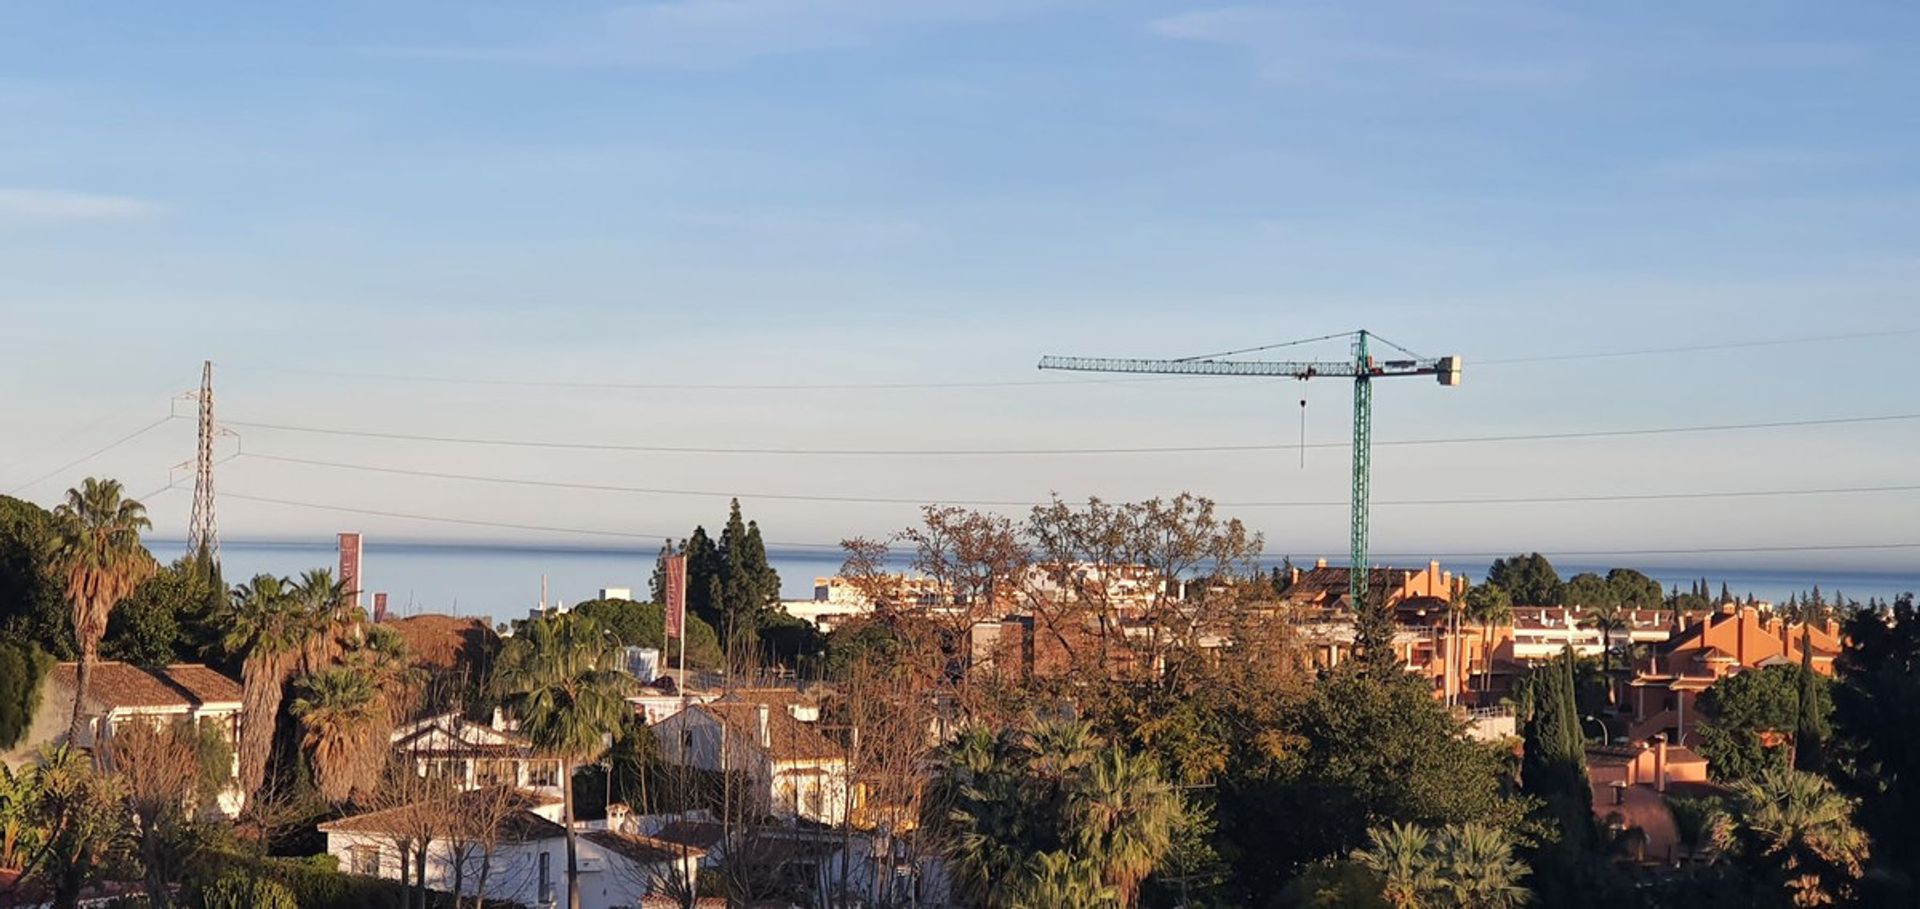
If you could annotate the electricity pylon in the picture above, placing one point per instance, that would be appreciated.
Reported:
(1363, 369)
(203, 534)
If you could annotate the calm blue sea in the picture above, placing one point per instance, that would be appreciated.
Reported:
(503, 581)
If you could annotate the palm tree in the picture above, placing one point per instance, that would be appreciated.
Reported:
(1794, 824)
(1478, 870)
(264, 630)
(561, 677)
(341, 712)
(976, 804)
(1607, 617)
(331, 618)
(98, 552)
(1057, 880)
(1400, 854)
(1695, 821)
(1488, 605)
(1125, 816)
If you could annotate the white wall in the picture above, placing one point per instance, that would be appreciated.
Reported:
(606, 881)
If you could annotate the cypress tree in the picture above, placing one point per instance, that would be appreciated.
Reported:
(1808, 732)
(703, 570)
(747, 586)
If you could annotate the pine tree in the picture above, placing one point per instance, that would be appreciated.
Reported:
(657, 584)
(1726, 593)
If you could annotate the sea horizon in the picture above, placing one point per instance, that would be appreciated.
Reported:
(502, 580)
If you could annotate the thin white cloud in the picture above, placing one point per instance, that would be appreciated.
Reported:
(61, 205)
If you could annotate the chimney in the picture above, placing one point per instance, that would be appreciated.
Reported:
(1740, 636)
(1319, 563)
(761, 717)
(1293, 575)
(618, 816)
(499, 720)
(1786, 640)
(1660, 762)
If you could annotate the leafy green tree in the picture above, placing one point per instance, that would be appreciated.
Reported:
(1530, 579)
(1747, 719)
(562, 677)
(1361, 753)
(633, 624)
(22, 668)
(1795, 830)
(99, 555)
(1634, 590)
(1876, 744)
(1590, 591)
(32, 606)
(166, 619)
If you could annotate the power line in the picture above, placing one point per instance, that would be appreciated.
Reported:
(95, 453)
(1699, 348)
(1023, 452)
(686, 386)
(471, 522)
(945, 500)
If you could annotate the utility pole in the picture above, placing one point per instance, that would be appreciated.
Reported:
(203, 533)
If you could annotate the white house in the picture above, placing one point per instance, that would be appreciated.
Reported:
(796, 772)
(476, 755)
(528, 864)
(122, 693)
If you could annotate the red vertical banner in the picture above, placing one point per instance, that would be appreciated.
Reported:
(676, 595)
(350, 565)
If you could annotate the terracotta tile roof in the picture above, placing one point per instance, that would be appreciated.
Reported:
(644, 849)
(444, 641)
(789, 739)
(521, 826)
(115, 685)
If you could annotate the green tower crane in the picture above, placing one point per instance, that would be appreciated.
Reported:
(1363, 369)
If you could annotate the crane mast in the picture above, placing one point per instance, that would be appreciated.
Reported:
(1363, 369)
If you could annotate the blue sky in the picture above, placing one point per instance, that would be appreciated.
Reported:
(794, 192)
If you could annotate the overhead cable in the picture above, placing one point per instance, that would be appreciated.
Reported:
(1027, 452)
(95, 453)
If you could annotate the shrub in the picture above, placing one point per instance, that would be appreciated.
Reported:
(237, 891)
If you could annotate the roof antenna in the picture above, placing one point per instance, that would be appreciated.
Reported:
(1303, 433)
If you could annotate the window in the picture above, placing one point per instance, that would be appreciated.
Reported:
(364, 860)
(543, 773)
(546, 877)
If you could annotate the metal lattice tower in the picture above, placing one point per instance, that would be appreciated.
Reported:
(203, 534)
(1363, 369)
